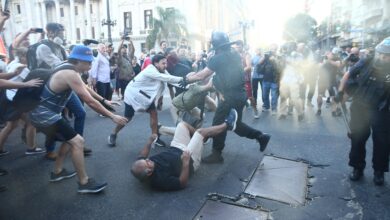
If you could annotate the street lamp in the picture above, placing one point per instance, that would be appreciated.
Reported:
(246, 25)
(108, 22)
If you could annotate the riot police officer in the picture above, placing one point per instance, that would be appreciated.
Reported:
(369, 81)
(229, 83)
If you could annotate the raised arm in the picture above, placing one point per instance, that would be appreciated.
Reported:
(4, 16)
(146, 149)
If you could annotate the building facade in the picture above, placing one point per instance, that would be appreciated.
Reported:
(84, 19)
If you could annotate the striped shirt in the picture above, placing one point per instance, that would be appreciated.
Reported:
(49, 110)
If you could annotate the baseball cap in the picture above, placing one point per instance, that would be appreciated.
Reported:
(81, 52)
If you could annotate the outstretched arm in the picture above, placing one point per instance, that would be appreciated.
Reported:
(5, 84)
(77, 85)
(146, 149)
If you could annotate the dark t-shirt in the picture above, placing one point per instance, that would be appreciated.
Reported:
(229, 73)
(371, 85)
(137, 69)
(167, 169)
(180, 70)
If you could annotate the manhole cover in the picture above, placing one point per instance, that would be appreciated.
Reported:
(280, 179)
(215, 210)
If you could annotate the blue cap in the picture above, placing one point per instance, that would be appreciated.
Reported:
(81, 52)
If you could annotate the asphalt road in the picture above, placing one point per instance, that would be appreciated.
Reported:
(321, 141)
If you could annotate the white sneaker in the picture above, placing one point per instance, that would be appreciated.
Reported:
(256, 114)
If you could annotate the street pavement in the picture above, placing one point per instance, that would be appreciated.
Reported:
(319, 141)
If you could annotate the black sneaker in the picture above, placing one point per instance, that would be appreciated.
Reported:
(34, 151)
(214, 157)
(3, 152)
(3, 172)
(91, 186)
(231, 120)
(263, 140)
(282, 117)
(301, 117)
(379, 178)
(87, 151)
(112, 140)
(318, 112)
(64, 174)
(356, 174)
(159, 143)
(3, 188)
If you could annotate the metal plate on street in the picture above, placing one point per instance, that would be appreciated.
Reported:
(215, 210)
(281, 180)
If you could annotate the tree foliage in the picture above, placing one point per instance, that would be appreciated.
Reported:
(300, 28)
(170, 23)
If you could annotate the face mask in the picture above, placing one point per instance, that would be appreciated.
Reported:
(58, 41)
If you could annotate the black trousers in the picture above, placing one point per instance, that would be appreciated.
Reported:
(104, 90)
(365, 121)
(255, 87)
(122, 84)
(237, 102)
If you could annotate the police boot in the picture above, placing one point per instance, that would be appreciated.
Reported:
(356, 174)
(214, 157)
(379, 178)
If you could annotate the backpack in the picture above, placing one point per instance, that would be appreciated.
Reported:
(32, 62)
(26, 99)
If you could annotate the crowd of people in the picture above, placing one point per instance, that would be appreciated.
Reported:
(60, 80)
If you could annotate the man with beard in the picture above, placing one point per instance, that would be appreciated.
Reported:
(369, 111)
(144, 91)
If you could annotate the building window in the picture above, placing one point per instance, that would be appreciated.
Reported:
(128, 26)
(148, 19)
(143, 47)
(93, 32)
(18, 9)
(62, 12)
(76, 10)
(91, 8)
(78, 33)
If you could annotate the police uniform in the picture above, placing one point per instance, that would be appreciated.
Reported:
(370, 115)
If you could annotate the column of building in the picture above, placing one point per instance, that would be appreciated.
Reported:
(87, 16)
(72, 21)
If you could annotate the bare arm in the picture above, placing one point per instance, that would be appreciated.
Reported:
(5, 84)
(201, 75)
(77, 85)
(132, 50)
(248, 62)
(120, 47)
(185, 169)
(4, 16)
(21, 37)
(146, 149)
(12, 74)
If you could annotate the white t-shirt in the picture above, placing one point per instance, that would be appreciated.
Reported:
(19, 78)
(3, 66)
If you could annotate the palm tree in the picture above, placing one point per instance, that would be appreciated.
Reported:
(169, 24)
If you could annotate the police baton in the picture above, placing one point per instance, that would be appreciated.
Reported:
(343, 113)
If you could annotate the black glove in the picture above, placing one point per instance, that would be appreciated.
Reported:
(183, 83)
(339, 97)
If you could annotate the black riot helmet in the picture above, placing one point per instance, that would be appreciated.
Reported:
(220, 40)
